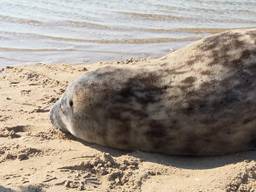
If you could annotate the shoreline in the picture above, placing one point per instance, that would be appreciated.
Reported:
(35, 156)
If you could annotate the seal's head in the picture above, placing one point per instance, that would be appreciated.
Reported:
(75, 111)
(60, 113)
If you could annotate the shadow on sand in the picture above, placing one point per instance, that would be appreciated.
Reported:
(187, 162)
(29, 188)
(5, 189)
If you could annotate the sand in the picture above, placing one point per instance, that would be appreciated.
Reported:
(36, 157)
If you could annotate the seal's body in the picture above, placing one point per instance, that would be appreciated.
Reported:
(199, 100)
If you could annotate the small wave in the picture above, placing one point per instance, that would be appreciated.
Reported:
(228, 2)
(128, 41)
(87, 24)
(20, 20)
(198, 8)
(12, 59)
(15, 49)
(187, 30)
(163, 17)
(144, 40)
(108, 41)
(151, 16)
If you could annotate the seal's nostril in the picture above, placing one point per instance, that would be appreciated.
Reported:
(71, 103)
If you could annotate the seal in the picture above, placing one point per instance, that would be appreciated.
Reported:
(198, 100)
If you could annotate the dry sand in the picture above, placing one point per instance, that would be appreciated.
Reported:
(36, 157)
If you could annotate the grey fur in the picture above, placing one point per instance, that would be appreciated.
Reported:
(199, 100)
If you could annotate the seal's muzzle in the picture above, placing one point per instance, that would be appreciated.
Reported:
(55, 117)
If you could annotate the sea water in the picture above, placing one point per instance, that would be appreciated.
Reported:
(86, 31)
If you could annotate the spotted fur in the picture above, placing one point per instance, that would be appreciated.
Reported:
(199, 100)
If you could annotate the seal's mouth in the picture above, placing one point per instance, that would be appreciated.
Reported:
(55, 117)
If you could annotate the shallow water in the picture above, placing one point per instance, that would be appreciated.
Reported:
(78, 31)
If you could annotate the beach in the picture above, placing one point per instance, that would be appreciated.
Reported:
(47, 44)
(34, 156)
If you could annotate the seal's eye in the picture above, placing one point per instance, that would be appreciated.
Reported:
(71, 103)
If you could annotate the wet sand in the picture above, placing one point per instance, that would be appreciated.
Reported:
(36, 157)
